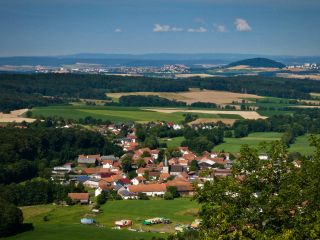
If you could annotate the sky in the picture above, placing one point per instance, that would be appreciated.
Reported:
(60, 27)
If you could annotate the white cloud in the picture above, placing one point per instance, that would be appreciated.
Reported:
(166, 28)
(118, 30)
(198, 30)
(220, 28)
(242, 25)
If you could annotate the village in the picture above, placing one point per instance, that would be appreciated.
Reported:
(154, 173)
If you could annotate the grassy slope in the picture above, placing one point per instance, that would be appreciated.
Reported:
(233, 145)
(302, 145)
(179, 211)
(116, 114)
(64, 222)
(174, 142)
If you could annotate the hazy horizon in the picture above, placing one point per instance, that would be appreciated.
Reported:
(47, 28)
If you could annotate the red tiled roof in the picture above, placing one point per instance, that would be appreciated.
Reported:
(181, 185)
(90, 171)
(164, 176)
(189, 156)
(141, 170)
(153, 187)
(113, 178)
(107, 162)
(140, 178)
(79, 196)
(125, 180)
(219, 160)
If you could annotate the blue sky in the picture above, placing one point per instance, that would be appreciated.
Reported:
(57, 27)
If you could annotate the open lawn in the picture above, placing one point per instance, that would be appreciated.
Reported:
(302, 145)
(172, 142)
(181, 210)
(233, 145)
(118, 114)
(64, 222)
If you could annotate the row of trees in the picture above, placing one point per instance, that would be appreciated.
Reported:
(38, 191)
(148, 101)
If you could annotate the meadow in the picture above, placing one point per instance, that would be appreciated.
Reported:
(118, 114)
(233, 145)
(63, 222)
(172, 142)
(302, 145)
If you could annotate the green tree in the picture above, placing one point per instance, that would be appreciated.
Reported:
(126, 163)
(269, 199)
(141, 162)
(102, 198)
(194, 165)
(168, 196)
(174, 191)
(151, 142)
(11, 218)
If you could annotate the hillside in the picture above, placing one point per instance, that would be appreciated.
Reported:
(257, 63)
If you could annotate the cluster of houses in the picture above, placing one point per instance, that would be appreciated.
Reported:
(153, 177)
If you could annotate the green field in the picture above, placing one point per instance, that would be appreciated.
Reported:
(233, 145)
(172, 142)
(116, 114)
(302, 145)
(64, 222)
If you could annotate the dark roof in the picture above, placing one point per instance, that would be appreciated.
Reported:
(80, 178)
(125, 193)
(109, 157)
(106, 175)
(154, 174)
(176, 168)
(88, 159)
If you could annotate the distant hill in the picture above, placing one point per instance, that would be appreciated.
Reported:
(257, 63)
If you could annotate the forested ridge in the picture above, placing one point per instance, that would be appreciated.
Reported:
(28, 153)
(24, 90)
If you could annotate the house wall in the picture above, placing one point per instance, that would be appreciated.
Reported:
(153, 194)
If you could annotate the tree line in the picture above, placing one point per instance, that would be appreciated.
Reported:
(27, 90)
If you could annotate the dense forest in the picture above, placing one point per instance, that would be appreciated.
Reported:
(148, 101)
(257, 63)
(27, 153)
(24, 90)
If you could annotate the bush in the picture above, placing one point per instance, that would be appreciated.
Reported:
(174, 191)
(168, 196)
(11, 218)
(143, 196)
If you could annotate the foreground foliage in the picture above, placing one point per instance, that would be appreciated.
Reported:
(271, 199)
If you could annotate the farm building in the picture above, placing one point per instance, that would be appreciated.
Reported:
(152, 189)
(83, 198)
